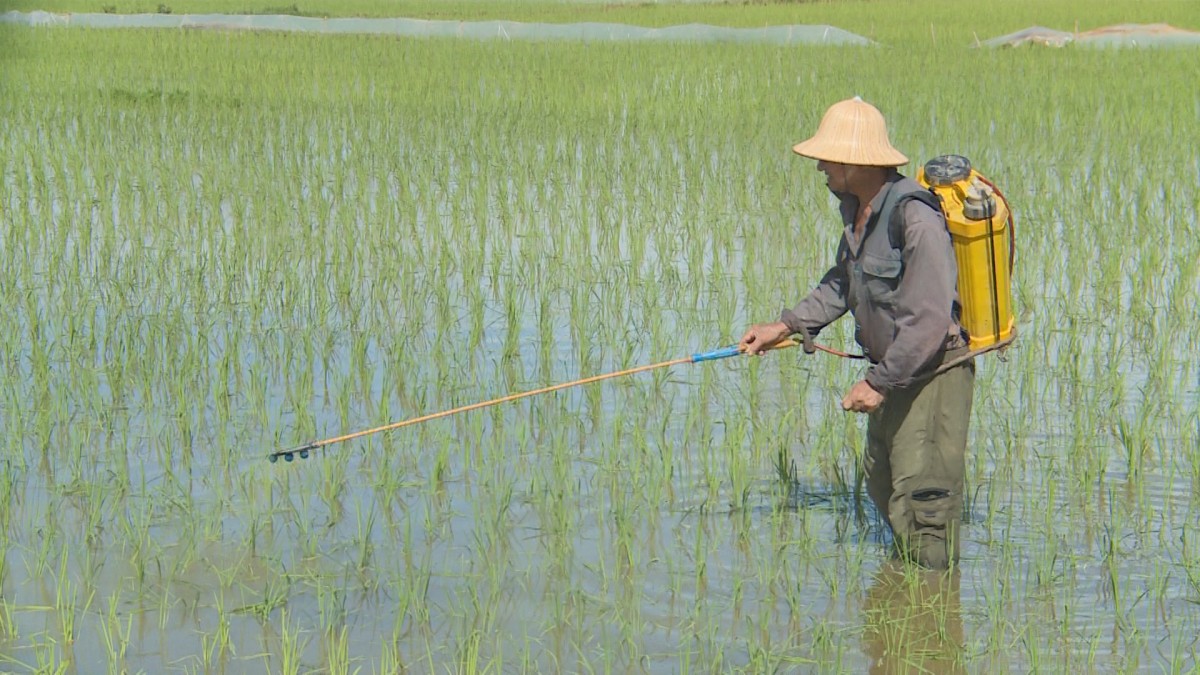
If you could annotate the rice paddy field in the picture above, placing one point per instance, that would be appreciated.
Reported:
(217, 244)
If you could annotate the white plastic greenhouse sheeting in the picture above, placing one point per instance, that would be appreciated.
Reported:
(502, 30)
(1123, 35)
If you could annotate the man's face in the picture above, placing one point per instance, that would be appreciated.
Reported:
(837, 175)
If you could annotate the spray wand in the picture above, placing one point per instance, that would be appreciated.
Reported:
(303, 451)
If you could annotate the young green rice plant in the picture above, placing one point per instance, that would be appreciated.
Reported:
(8, 624)
(337, 651)
(66, 606)
(291, 646)
(740, 482)
(220, 645)
(116, 637)
(1111, 555)
(47, 658)
(364, 548)
(331, 605)
(274, 595)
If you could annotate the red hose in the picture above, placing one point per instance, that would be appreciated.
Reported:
(1012, 224)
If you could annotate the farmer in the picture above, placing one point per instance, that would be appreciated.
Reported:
(898, 279)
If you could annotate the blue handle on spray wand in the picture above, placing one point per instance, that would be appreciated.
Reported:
(722, 353)
(734, 350)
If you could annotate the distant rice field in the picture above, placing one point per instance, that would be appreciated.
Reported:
(216, 245)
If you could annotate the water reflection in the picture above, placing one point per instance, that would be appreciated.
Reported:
(913, 621)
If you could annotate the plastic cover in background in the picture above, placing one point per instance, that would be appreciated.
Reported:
(1122, 35)
(481, 30)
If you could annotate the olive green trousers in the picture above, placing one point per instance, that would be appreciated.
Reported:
(916, 460)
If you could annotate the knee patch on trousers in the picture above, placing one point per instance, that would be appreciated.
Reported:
(933, 541)
(933, 507)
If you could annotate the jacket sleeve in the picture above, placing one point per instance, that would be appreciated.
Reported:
(924, 300)
(825, 303)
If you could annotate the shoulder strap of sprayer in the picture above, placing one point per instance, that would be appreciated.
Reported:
(896, 220)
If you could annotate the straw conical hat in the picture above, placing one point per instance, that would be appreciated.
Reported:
(852, 132)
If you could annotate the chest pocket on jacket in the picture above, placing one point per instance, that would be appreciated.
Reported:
(880, 275)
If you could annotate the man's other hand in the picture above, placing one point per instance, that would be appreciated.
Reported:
(862, 398)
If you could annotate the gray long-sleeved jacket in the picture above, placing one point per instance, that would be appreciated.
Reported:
(904, 300)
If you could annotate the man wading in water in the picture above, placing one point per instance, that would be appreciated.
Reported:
(898, 279)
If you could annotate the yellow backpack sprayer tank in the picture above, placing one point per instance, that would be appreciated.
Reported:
(981, 229)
